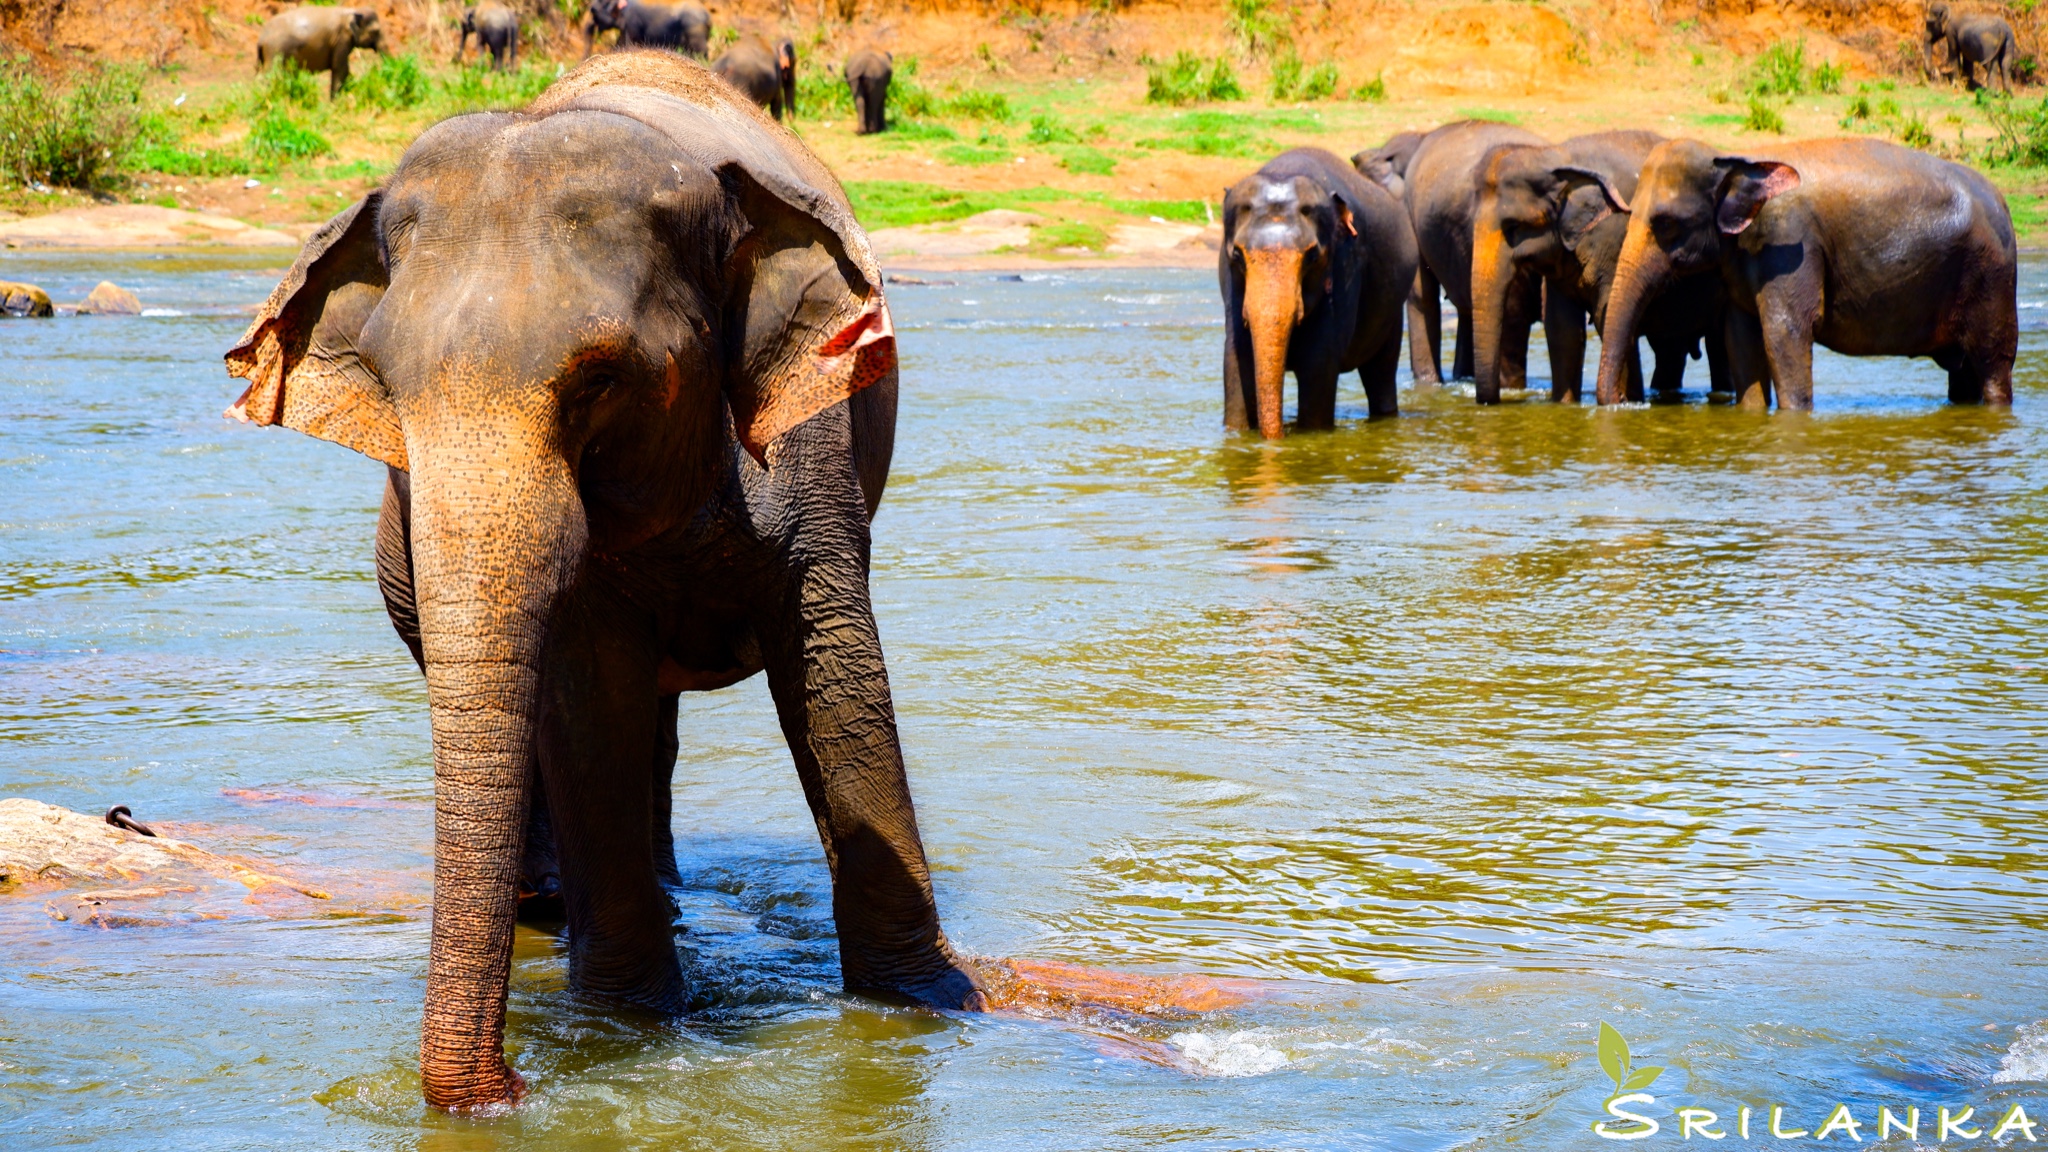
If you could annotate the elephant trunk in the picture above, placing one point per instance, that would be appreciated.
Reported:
(1639, 276)
(498, 531)
(1272, 308)
(1493, 277)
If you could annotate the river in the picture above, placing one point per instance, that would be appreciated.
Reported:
(1462, 733)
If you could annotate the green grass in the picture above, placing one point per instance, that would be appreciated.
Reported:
(2029, 211)
(1779, 70)
(974, 156)
(1211, 134)
(392, 84)
(821, 90)
(1293, 80)
(976, 104)
(1763, 118)
(1499, 114)
(1373, 91)
(1047, 129)
(1087, 161)
(1718, 119)
(902, 203)
(1187, 80)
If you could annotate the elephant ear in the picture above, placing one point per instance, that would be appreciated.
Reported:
(1584, 198)
(810, 331)
(1746, 187)
(299, 355)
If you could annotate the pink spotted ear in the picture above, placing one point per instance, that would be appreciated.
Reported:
(857, 355)
(1747, 187)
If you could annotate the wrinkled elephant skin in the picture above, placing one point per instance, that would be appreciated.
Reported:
(1866, 247)
(1314, 264)
(1441, 191)
(627, 357)
(1557, 215)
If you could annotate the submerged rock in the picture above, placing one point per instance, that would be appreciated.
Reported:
(42, 845)
(17, 299)
(110, 299)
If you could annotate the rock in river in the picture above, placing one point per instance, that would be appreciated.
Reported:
(44, 845)
(23, 300)
(110, 299)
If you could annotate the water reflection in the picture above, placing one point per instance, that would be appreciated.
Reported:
(1470, 728)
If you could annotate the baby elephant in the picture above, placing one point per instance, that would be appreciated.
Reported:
(1315, 270)
(867, 75)
(495, 27)
(1973, 38)
(319, 40)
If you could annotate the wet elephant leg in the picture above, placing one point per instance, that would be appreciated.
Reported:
(1425, 329)
(597, 739)
(1788, 347)
(1382, 398)
(1315, 398)
(1512, 370)
(1668, 378)
(1717, 358)
(666, 745)
(1564, 330)
(1635, 373)
(1462, 353)
(1749, 370)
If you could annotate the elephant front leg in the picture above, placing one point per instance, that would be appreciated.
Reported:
(666, 746)
(823, 656)
(1425, 329)
(1315, 392)
(1239, 394)
(1788, 346)
(1564, 331)
(597, 741)
(1749, 370)
(1668, 378)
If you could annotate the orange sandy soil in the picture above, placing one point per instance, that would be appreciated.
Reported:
(1560, 67)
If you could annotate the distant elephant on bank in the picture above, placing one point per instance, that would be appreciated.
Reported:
(629, 458)
(867, 76)
(685, 27)
(1973, 39)
(1387, 165)
(758, 71)
(1442, 189)
(320, 40)
(1316, 262)
(1544, 215)
(1866, 247)
(495, 27)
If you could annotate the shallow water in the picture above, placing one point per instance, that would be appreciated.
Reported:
(1465, 731)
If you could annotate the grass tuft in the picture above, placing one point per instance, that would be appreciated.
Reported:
(1763, 118)
(1187, 80)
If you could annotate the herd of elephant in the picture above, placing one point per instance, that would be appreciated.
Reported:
(321, 38)
(1862, 246)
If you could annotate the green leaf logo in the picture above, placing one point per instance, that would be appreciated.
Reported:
(1614, 1060)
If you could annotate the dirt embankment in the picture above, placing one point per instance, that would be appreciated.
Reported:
(1423, 45)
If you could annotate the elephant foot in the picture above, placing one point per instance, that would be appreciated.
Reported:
(485, 1093)
(956, 986)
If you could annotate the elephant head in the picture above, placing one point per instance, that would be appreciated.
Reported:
(1689, 202)
(551, 319)
(1279, 234)
(1535, 212)
(366, 32)
(1387, 165)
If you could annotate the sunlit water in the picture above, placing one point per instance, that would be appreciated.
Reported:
(1466, 730)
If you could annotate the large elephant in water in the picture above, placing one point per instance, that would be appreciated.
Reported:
(1315, 262)
(627, 356)
(1442, 189)
(1866, 247)
(1545, 215)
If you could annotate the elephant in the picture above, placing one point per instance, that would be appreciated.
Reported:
(1543, 214)
(627, 359)
(495, 27)
(18, 300)
(758, 72)
(1315, 263)
(1972, 39)
(867, 77)
(1387, 165)
(1442, 185)
(1867, 247)
(685, 27)
(319, 40)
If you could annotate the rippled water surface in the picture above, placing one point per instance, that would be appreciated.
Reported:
(1463, 731)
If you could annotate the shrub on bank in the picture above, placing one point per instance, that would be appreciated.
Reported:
(75, 136)
(1187, 80)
